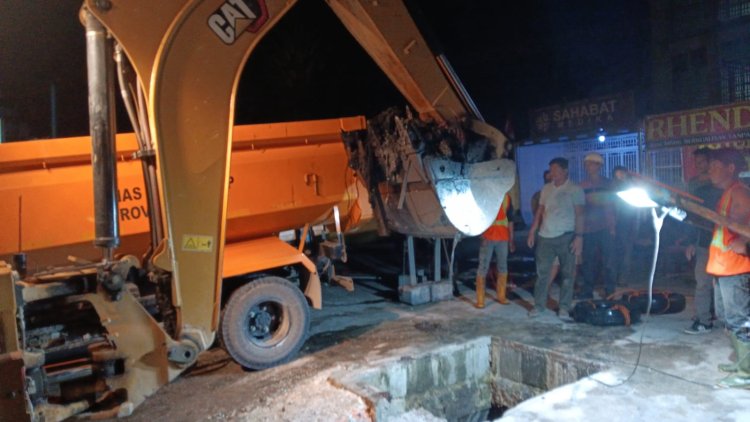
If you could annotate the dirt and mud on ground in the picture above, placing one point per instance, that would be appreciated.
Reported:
(357, 331)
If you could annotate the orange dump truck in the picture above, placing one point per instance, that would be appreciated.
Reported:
(48, 207)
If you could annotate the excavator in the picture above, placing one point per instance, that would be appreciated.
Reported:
(96, 338)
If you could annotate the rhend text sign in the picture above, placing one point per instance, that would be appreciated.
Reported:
(710, 125)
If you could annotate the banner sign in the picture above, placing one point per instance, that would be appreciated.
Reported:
(613, 113)
(724, 124)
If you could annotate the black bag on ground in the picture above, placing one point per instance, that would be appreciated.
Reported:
(662, 302)
(605, 313)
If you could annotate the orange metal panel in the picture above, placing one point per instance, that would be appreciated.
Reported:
(269, 252)
(283, 176)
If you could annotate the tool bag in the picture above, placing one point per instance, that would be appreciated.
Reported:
(662, 302)
(605, 313)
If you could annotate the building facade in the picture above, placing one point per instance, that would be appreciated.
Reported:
(700, 53)
(606, 125)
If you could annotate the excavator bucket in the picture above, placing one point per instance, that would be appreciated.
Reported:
(430, 180)
(471, 193)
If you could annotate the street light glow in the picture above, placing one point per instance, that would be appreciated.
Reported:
(637, 197)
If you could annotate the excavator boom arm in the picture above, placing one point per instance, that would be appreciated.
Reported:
(189, 56)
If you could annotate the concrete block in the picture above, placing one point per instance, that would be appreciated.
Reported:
(507, 359)
(510, 393)
(397, 380)
(478, 360)
(438, 372)
(534, 369)
(386, 410)
(454, 402)
(471, 396)
(566, 369)
(441, 290)
(415, 295)
(561, 373)
(420, 376)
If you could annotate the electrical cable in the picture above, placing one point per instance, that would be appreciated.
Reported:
(651, 368)
(658, 221)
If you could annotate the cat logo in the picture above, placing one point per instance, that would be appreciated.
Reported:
(237, 16)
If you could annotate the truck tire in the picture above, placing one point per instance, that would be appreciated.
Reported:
(265, 323)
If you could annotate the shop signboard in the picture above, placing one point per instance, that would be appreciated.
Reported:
(583, 118)
(726, 125)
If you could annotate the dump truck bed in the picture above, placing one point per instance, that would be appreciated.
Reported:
(283, 176)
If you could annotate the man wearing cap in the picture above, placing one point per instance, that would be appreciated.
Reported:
(599, 227)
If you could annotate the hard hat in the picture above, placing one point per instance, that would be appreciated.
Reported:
(594, 157)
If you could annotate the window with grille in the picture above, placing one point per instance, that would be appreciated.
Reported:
(735, 81)
(733, 9)
(617, 150)
(666, 166)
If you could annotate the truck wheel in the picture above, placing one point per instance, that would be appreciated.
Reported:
(265, 323)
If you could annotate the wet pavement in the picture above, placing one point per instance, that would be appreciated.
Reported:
(654, 370)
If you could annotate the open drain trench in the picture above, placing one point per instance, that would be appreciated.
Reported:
(470, 381)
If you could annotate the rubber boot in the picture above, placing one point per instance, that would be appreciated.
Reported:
(502, 284)
(741, 379)
(738, 380)
(480, 292)
(734, 366)
(741, 346)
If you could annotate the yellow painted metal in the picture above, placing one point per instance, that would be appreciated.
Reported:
(191, 82)
(140, 341)
(153, 24)
(386, 30)
(8, 326)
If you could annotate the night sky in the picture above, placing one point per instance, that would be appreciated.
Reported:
(512, 57)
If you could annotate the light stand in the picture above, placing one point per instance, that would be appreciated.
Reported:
(658, 220)
(639, 198)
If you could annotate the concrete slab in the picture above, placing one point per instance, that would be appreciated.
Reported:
(418, 294)
(441, 290)
(674, 378)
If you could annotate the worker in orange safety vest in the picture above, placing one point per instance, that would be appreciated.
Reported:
(728, 261)
(497, 240)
